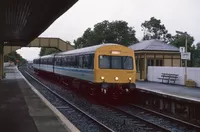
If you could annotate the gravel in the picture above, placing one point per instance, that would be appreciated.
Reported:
(156, 119)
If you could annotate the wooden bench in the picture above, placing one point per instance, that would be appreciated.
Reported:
(169, 78)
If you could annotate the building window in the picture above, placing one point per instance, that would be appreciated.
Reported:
(150, 62)
(159, 62)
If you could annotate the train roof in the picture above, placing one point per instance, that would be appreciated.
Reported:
(45, 56)
(90, 49)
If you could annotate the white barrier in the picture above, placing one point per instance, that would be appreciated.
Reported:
(154, 72)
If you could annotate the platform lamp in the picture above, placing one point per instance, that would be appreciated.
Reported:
(186, 37)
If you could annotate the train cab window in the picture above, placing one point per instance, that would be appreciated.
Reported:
(104, 62)
(128, 62)
(116, 62)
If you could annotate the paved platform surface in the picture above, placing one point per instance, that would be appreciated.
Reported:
(21, 110)
(172, 90)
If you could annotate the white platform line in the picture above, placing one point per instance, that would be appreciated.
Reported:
(67, 124)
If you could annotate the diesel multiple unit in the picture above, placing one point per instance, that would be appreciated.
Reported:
(106, 68)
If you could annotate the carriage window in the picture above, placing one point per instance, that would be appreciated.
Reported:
(76, 62)
(69, 61)
(91, 61)
(80, 61)
(85, 61)
(73, 61)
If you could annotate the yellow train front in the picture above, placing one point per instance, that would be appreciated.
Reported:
(115, 70)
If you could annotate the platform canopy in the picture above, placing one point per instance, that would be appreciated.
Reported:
(24, 20)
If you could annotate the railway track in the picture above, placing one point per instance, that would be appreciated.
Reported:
(140, 117)
(157, 120)
(158, 114)
(136, 122)
(68, 106)
(150, 126)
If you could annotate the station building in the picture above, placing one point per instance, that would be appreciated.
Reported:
(154, 53)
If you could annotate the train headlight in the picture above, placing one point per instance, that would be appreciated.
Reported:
(116, 78)
(102, 78)
(129, 78)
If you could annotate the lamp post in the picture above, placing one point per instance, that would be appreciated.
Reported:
(186, 37)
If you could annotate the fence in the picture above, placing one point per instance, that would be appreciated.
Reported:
(154, 72)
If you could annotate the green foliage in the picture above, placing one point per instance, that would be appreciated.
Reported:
(13, 56)
(153, 29)
(107, 32)
(179, 41)
(195, 55)
(48, 51)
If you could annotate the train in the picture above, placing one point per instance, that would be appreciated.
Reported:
(107, 69)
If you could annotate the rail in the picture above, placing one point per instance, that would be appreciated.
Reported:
(146, 122)
(69, 103)
(167, 117)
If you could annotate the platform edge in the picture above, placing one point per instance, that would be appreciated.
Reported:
(67, 124)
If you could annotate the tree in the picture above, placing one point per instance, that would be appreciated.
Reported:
(196, 55)
(107, 32)
(179, 41)
(153, 29)
(13, 56)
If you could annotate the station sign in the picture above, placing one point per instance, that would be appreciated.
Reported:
(182, 49)
(185, 55)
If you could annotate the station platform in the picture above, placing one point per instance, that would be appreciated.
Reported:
(177, 91)
(24, 110)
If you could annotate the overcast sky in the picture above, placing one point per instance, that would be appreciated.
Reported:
(183, 15)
